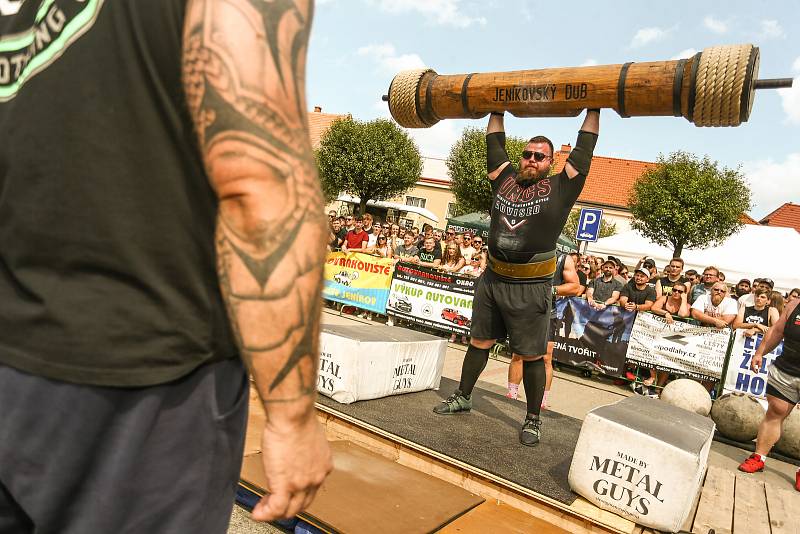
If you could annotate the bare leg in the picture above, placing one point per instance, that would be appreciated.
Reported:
(769, 431)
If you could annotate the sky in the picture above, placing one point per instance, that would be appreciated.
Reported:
(357, 46)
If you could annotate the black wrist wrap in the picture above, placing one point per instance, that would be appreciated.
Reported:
(496, 153)
(581, 155)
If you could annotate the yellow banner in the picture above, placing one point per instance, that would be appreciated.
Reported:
(358, 279)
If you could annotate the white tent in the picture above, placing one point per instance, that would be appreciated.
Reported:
(428, 214)
(753, 252)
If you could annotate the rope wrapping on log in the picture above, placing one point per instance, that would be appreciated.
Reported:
(403, 98)
(719, 85)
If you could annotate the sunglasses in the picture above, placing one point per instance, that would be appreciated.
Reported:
(537, 156)
(678, 290)
(477, 241)
(381, 238)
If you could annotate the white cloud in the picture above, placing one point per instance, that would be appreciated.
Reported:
(388, 60)
(685, 54)
(441, 12)
(790, 100)
(589, 63)
(716, 26)
(772, 183)
(796, 65)
(648, 35)
(771, 29)
(437, 140)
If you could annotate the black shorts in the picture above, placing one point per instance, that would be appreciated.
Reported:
(518, 310)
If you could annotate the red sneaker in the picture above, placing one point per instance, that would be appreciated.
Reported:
(630, 376)
(753, 464)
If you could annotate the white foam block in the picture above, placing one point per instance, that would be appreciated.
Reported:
(373, 361)
(642, 459)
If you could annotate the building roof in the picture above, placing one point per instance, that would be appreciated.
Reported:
(746, 219)
(787, 216)
(610, 180)
(319, 122)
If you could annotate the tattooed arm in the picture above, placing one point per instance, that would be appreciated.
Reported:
(244, 78)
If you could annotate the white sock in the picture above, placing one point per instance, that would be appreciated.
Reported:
(764, 458)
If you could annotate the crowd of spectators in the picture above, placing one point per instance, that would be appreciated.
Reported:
(673, 293)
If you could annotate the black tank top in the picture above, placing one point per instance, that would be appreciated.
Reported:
(107, 262)
(789, 361)
(752, 315)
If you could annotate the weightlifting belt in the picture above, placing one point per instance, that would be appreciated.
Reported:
(536, 268)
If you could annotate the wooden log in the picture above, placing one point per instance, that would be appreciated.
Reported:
(713, 88)
(750, 508)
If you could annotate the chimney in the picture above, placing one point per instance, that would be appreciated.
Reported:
(566, 148)
(317, 109)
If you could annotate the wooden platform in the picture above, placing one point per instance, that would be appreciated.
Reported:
(730, 502)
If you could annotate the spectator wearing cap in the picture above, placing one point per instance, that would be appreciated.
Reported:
(605, 290)
(650, 265)
(638, 295)
(716, 308)
(467, 250)
(759, 283)
(756, 319)
(663, 285)
(742, 288)
(710, 277)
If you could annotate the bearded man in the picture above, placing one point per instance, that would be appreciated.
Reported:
(513, 297)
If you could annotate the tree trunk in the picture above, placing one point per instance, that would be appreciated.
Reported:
(678, 249)
(362, 207)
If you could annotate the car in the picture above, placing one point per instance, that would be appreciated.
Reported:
(449, 314)
(401, 304)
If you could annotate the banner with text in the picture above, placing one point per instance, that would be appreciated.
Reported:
(358, 279)
(432, 298)
(739, 377)
(679, 348)
(595, 340)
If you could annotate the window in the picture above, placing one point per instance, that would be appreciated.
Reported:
(450, 207)
(417, 202)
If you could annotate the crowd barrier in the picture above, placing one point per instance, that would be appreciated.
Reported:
(604, 341)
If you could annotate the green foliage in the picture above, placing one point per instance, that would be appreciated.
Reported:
(688, 202)
(467, 166)
(373, 160)
(571, 227)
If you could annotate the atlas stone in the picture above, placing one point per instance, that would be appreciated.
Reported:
(737, 416)
(789, 444)
(687, 394)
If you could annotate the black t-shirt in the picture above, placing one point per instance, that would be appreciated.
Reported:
(528, 220)
(582, 277)
(666, 284)
(638, 296)
(428, 257)
(107, 217)
(753, 316)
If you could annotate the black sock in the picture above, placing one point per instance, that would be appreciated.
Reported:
(474, 364)
(534, 378)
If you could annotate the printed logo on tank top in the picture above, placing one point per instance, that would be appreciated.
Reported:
(40, 36)
(516, 204)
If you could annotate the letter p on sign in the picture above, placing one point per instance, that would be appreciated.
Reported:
(589, 224)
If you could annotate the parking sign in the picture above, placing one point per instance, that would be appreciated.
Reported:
(589, 224)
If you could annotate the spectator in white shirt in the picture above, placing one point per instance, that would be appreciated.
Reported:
(716, 308)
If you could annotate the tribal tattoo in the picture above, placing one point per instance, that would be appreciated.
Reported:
(243, 71)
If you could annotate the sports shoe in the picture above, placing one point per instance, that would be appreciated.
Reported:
(753, 464)
(455, 403)
(638, 388)
(531, 431)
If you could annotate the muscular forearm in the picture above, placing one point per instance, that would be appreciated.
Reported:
(591, 123)
(271, 229)
(496, 123)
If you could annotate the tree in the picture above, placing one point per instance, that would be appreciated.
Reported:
(571, 226)
(373, 160)
(467, 166)
(688, 202)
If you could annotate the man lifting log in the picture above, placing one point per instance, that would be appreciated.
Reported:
(513, 297)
